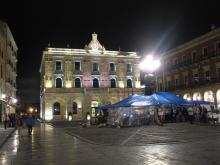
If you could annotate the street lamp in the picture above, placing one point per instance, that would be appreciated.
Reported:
(149, 65)
(31, 110)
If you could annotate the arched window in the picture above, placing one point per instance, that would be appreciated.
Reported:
(56, 108)
(95, 83)
(113, 83)
(58, 82)
(129, 83)
(74, 108)
(77, 83)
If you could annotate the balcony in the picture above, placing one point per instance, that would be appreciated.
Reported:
(128, 73)
(112, 72)
(64, 90)
(194, 84)
(94, 90)
(77, 72)
(95, 73)
(189, 62)
(58, 71)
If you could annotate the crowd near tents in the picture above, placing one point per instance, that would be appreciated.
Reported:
(140, 110)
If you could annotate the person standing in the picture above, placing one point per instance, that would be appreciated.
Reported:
(5, 120)
(190, 113)
(30, 123)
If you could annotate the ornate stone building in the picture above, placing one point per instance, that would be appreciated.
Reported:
(79, 80)
(192, 70)
(8, 73)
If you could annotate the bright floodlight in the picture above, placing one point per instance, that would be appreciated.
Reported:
(149, 64)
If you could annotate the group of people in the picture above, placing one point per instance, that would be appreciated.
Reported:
(191, 113)
(17, 121)
(156, 115)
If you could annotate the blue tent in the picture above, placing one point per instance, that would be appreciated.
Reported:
(127, 102)
(157, 98)
(169, 98)
(135, 98)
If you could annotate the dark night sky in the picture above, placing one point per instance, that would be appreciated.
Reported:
(147, 25)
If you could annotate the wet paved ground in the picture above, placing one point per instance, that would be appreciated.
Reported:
(5, 134)
(179, 144)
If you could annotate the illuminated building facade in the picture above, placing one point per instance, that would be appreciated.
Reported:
(192, 70)
(8, 73)
(77, 81)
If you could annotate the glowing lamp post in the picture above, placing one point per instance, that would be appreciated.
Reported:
(9, 101)
(31, 110)
(149, 66)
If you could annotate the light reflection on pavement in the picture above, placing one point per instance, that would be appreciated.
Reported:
(179, 144)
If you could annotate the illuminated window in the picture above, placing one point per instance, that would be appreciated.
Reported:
(112, 67)
(129, 68)
(77, 83)
(58, 65)
(113, 83)
(95, 83)
(77, 66)
(95, 67)
(56, 108)
(59, 82)
(74, 108)
(129, 83)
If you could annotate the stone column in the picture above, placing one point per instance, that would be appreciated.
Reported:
(215, 99)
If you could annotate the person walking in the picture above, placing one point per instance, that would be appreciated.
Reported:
(5, 120)
(30, 123)
(18, 123)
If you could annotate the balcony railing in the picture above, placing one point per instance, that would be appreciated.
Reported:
(112, 72)
(189, 62)
(94, 90)
(58, 71)
(95, 73)
(193, 84)
(77, 72)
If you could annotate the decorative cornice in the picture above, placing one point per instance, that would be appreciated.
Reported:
(81, 52)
